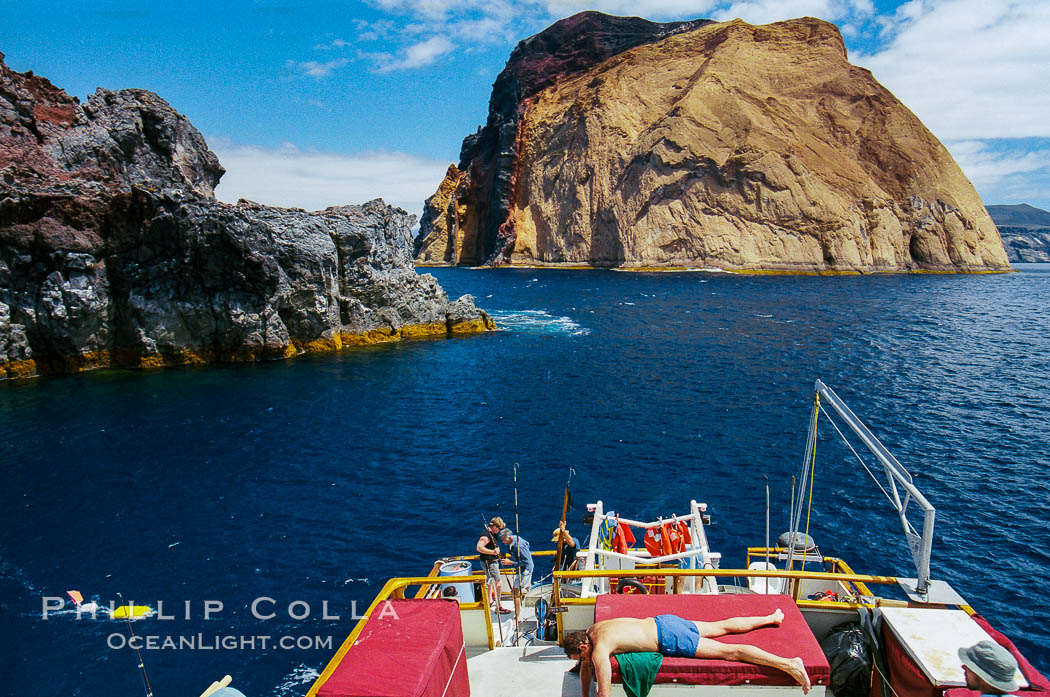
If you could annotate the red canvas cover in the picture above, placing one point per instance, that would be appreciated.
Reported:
(905, 676)
(792, 638)
(1037, 683)
(908, 680)
(409, 648)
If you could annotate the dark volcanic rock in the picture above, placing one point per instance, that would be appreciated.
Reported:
(113, 250)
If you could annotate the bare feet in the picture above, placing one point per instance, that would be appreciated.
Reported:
(797, 670)
(777, 617)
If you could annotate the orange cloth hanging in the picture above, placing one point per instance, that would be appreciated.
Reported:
(623, 538)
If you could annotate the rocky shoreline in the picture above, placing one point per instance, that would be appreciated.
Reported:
(114, 251)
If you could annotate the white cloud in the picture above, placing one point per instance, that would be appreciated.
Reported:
(969, 68)
(649, 9)
(415, 56)
(382, 29)
(864, 7)
(766, 11)
(1005, 173)
(431, 9)
(316, 69)
(997, 170)
(334, 44)
(290, 177)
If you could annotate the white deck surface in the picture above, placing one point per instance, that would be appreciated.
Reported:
(517, 672)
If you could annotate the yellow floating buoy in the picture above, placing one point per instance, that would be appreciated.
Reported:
(131, 611)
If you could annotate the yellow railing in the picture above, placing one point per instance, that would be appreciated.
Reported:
(395, 589)
(859, 579)
(834, 562)
(727, 573)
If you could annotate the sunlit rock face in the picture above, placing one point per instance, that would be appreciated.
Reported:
(114, 251)
(704, 145)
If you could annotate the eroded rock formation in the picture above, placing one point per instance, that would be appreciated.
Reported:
(703, 144)
(114, 251)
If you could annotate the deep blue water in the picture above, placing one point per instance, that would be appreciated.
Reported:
(317, 478)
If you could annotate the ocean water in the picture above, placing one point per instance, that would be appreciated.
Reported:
(313, 480)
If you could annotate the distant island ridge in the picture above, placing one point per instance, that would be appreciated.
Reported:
(1025, 231)
(622, 143)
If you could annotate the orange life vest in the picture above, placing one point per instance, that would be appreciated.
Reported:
(656, 542)
(623, 539)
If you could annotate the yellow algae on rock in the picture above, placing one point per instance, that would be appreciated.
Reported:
(18, 370)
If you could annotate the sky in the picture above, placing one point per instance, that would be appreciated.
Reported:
(318, 103)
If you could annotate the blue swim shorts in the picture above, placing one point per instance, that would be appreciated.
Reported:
(676, 637)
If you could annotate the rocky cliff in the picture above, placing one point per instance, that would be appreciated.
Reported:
(703, 144)
(114, 251)
(1025, 231)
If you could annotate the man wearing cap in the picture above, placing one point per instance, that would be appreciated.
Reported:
(989, 668)
(569, 546)
(521, 558)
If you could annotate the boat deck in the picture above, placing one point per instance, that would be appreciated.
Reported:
(543, 670)
(520, 671)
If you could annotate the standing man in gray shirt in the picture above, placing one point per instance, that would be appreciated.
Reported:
(521, 558)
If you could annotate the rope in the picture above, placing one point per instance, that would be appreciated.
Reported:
(452, 673)
(885, 681)
(859, 458)
(812, 477)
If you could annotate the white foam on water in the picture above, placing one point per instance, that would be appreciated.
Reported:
(11, 572)
(538, 322)
(301, 676)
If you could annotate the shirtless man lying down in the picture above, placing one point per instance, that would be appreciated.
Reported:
(671, 635)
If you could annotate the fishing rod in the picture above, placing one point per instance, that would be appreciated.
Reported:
(561, 542)
(518, 599)
(134, 644)
(766, 580)
(561, 525)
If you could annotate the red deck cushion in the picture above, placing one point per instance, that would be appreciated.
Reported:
(411, 648)
(792, 638)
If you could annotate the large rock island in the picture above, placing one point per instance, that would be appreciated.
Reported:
(114, 251)
(617, 142)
